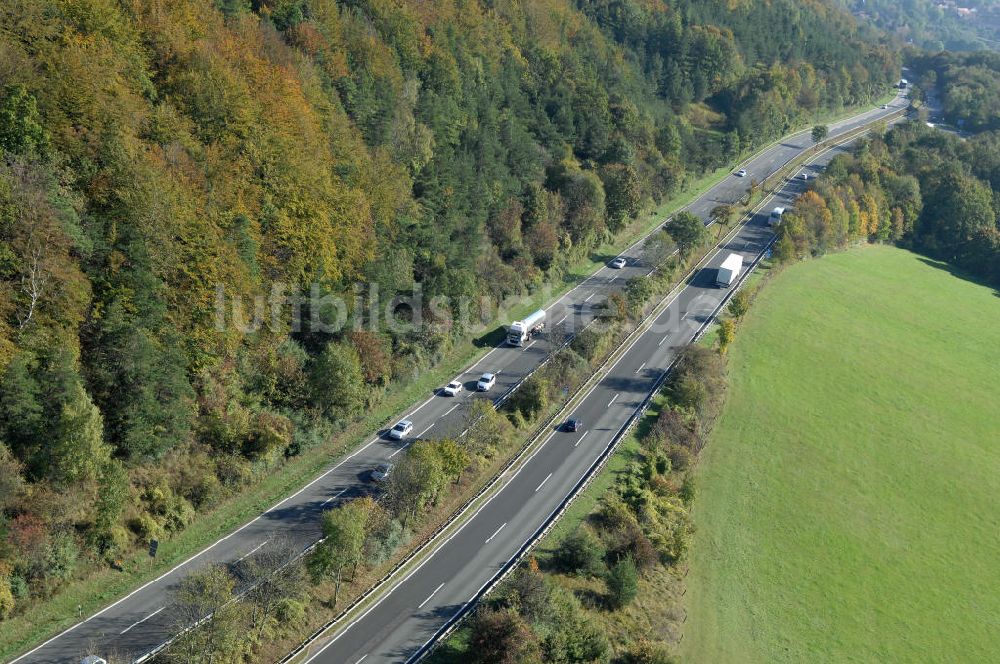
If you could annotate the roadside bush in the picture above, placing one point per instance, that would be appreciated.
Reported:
(568, 369)
(699, 383)
(6, 599)
(581, 553)
(269, 434)
(647, 652)
(61, 557)
(588, 344)
(569, 635)
(680, 457)
(530, 399)
(379, 548)
(637, 291)
(233, 471)
(501, 636)
(526, 591)
(674, 427)
(623, 583)
(290, 612)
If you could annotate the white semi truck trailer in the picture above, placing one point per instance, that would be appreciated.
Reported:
(522, 330)
(729, 270)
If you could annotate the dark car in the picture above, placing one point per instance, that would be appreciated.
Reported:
(574, 425)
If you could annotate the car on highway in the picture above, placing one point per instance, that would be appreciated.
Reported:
(452, 388)
(486, 382)
(742, 173)
(803, 176)
(381, 472)
(884, 106)
(401, 430)
(619, 263)
(573, 424)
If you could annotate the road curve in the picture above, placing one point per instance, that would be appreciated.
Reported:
(397, 626)
(138, 623)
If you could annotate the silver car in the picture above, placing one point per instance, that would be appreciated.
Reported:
(486, 382)
(401, 430)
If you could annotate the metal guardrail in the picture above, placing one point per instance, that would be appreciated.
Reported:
(625, 429)
(519, 455)
(532, 440)
(584, 481)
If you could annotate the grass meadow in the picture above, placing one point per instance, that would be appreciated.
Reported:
(848, 505)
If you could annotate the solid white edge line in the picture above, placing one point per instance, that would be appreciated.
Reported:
(472, 517)
(251, 551)
(642, 239)
(335, 496)
(430, 596)
(139, 622)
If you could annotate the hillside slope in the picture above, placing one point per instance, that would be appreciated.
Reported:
(164, 163)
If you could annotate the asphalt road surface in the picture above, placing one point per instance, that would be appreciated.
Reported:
(141, 621)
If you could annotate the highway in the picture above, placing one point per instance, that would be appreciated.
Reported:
(413, 612)
(406, 618)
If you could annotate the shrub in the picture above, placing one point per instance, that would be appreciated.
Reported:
(581, 553)
(61, 556)
(680, 457)
(623, 583)
(588, 343)
(145, 527)
(270, 433)
(501, 637)
(6, 599)
(233, 471)
(647, 652)
(385, 543)
(530, 399)
(290, 612)
(19, 587)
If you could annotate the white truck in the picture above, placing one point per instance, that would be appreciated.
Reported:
(522, 330)
(775, 217)
(729, 270)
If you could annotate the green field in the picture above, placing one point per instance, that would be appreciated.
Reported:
(849, 500)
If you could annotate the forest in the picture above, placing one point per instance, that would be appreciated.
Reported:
(933, 25)
(916, 186)
(968, 85)
(155, 153)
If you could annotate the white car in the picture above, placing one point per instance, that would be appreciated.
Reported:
(401, 430)
(486, 382)
(742, 173)
(452, 388)
(884, 106)
(619, 263)
(803, 176)
(381, 472)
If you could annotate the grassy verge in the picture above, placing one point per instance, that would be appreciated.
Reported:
(101, 586)
(848, 500)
